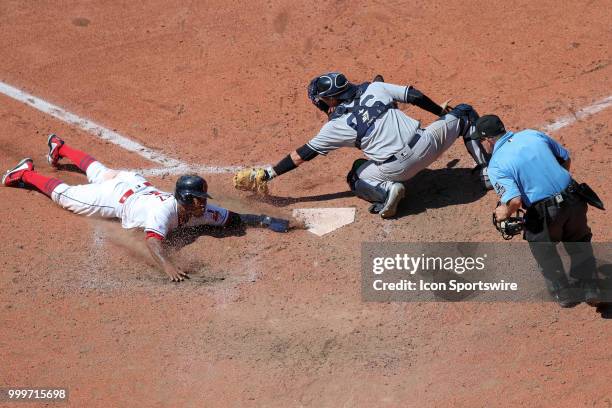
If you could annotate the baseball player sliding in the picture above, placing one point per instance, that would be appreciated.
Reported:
(367, 117)
(131, 198)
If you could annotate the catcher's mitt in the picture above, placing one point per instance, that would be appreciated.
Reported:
(252, 179)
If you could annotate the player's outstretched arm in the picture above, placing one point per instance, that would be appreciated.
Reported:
(258, 221)
(256, 179)
(158, 252)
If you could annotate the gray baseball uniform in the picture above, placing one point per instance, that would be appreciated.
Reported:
(397, 147)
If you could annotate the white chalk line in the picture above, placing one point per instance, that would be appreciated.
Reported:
(581, 114)
(170, 164)
(186, 169)
(173, 166)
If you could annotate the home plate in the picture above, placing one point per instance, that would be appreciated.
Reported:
(321, 221)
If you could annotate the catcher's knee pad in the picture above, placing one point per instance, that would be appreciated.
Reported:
(352, 176)
(467, 115)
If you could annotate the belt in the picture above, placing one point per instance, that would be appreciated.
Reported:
(129, 193)
(411, 145)
(559, 198)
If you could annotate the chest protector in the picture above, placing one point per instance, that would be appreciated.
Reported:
(362, 117)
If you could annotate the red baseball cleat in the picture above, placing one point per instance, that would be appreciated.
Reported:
(13, 176)
(55, 143)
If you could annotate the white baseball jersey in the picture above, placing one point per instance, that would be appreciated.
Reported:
(145, 207)
(156, 211)
(392, 131)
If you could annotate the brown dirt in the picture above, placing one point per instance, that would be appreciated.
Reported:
(271, 320)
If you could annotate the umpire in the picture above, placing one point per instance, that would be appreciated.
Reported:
(530, 170)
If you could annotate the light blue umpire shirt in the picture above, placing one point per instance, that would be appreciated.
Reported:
(525, 164)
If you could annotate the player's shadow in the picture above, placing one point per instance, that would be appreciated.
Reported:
(428, 189)
(604, 273)
(279, 201)
(439, 188)
(182, 237)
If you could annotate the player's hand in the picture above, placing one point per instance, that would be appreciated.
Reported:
(501, 213)
(175, 274)
(446, 108)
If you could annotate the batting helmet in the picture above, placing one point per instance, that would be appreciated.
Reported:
(188, 187)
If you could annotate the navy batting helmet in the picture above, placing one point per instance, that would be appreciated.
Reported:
(190, 186)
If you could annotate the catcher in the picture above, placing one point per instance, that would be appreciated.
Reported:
(132, 199)
(367, 117)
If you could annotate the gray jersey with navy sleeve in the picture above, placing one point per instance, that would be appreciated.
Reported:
(392, 130)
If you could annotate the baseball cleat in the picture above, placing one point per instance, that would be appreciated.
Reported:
(378, 78)
(13, 176)
(54, 143)
(395, 195)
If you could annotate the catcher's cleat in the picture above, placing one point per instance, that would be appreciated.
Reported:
(395, 195)
(54, 143)
(13, 176)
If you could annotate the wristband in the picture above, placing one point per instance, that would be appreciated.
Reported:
(283, 166)
(270, 173)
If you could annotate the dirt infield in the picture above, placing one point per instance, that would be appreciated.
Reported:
(271, 320)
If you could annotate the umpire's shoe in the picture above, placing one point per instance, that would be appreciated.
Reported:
(395, 195)
(590, 293)
(13, 176)
(568, 298)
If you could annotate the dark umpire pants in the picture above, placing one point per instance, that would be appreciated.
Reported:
(549, 222)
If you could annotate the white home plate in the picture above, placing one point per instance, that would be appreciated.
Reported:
(321, 221)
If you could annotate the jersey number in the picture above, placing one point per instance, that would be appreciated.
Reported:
(161, 196)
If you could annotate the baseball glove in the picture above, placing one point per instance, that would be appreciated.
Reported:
(252, 179)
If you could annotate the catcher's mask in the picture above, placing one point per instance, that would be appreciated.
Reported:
(511, 226)
(331, 84)
(188, 187)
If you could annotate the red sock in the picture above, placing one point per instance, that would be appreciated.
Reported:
(81, 159)
(43, 183)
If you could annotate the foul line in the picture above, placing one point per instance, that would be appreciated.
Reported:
(170, 164)
(186, 168)
(173, 166)
(581, 114)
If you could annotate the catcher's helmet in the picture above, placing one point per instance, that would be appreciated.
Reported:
(190, 186)
(332, 84)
